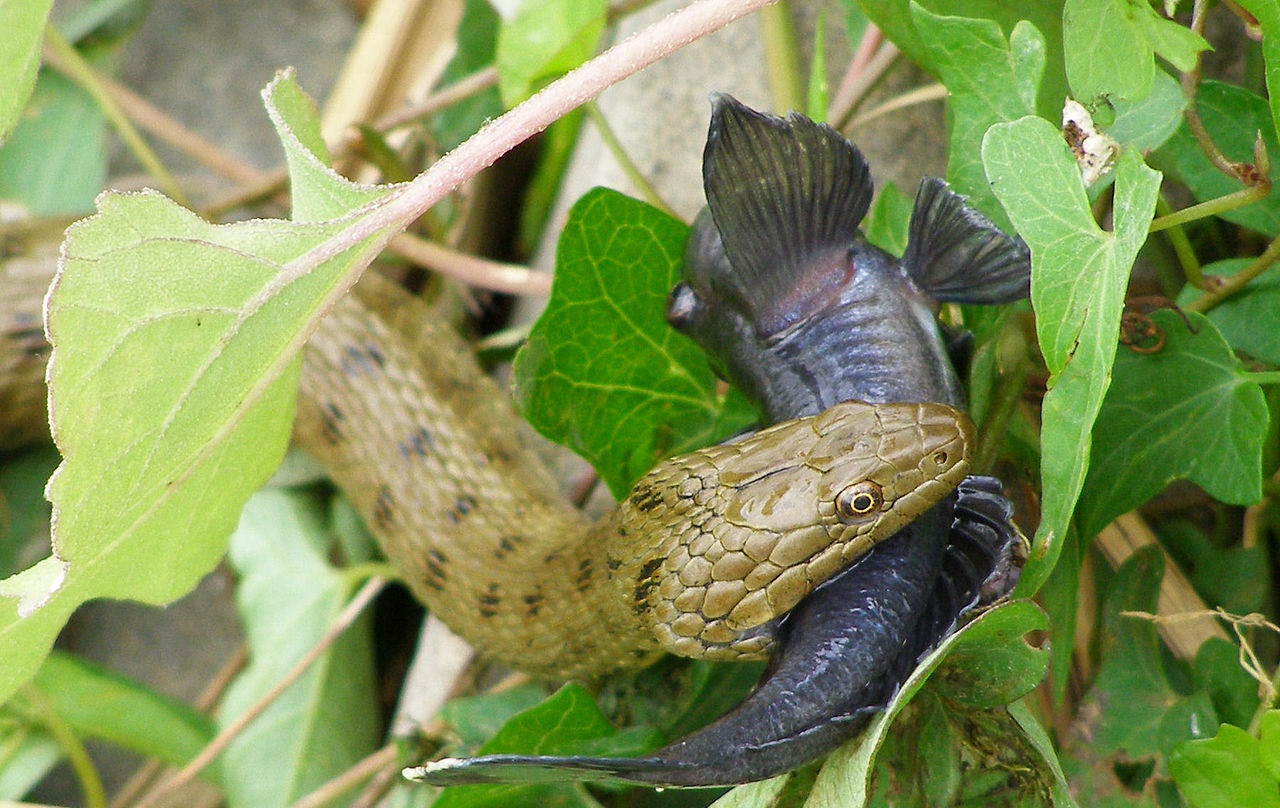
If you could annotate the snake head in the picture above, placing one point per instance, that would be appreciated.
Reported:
(755, 525)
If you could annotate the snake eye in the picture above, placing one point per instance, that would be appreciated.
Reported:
(859, 500)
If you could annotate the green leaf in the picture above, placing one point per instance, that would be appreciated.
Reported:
(1249, 319)
(1224, 771)
(887, 221)
(1078, 276)
(567, 723)
(26, 512)
(1232, 116)
(763, 794)
(989, 80)
(1147, 124)
(1107, 52)
(1173, 42)
(1110, 48)
(27, 754)
(545, 40)
(1267, 13)
(1185, 411)
(1269, 741)
(846, 779)
(1132, 712)
(477, 42)
(172, 383)
(56, 159)
(897, 20)
(1233, 690)
(639, 390)
(287, 597)
(23, 24)
(97, 703)
(476, 719)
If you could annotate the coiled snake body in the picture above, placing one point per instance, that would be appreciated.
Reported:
(703, 556)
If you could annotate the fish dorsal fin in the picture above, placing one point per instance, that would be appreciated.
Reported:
(957, 255)
(787, 196)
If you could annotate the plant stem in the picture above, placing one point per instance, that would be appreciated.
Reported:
(95, 796)
(634, 175)
(1181, 245)
(1213, 207)
(224, 737)
(1264, 377)
(61, 56)
(349, 779)
(373, 226)
(1008, 393)
(1229, 286)
(782, 58)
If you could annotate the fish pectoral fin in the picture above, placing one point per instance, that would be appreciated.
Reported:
(957, 255)
(786, 195)
(525, 769)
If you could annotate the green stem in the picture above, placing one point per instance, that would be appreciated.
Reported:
(634, 174)
(1181, 245)
(1264, 377)
(1004, 402)
(1213, 207)
(355, 575)
(1236, 282)
(782, 57)
(61, 56)
(95, 796)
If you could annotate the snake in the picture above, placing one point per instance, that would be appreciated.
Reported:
(702, 559)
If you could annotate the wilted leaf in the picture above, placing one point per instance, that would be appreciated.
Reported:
(1078, 276)
(602, 372)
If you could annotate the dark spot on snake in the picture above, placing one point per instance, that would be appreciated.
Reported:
(416, 445)
(647, 581)
(613, 563)
(462, 506)
(384, 508)
(534, 602)
(360, 360)
(506, 545)
(331, 419)
(585, 570)
(646, 500)
(489, 601)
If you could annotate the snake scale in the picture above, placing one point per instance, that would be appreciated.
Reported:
(701, 559)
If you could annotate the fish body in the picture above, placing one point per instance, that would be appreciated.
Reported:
(799, 311)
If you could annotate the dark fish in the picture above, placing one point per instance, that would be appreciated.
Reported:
(799, 311)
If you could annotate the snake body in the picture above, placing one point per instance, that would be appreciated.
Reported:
(701, 559)
(794, 307)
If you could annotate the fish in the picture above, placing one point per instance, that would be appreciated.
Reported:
(798, 310)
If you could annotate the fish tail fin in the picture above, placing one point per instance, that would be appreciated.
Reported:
(957, 255)
(787, 195)
(526, 769)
